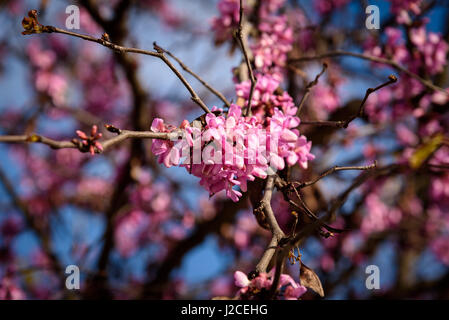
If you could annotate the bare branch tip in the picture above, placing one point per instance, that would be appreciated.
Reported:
(112, 129)
(158, 48)
(392, 78)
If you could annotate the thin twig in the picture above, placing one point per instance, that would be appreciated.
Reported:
(285, 186)
(309, 212)
(309, 87)
(35, 138)
(345, 123)
(127, 134)
(55, 144)
(248, 62)
(332, 170)
(201, 80)
(194, 95)
(389, 62)
(104, 41)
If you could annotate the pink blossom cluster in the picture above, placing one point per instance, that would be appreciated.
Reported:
(272, 46)
(88, 24)
(432, 49)
(260, 285)
(430, 55)
(151, 217)
(419, 122)
(275, 40)
(440, 246)
(237, 148)
(401, 9)
(47, 79)
(412, 5)
(270, 7)
(113, 94)
(228, 19)
(437, 226)
(439, 184)
(406, 136)
(379, 216)
(91, 141)
(304, 34)
(129, 231)
(9, 290)
(324, 99)
(266, 97)
(325, 96)
(439, 188)
(242, 233)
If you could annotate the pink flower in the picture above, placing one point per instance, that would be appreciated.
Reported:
(250, 289)
(327, 262)
(441, 98)
(228, 19)
(293, 293)
(324, 99)
(270, 50)
(379, 216)
(128, 230)
(10, 291)
(418, 36)
(432, 47)
(91, 142)
(230, 148)
(274, 28)
(439, 188)
(405, 135)
(241, 280)
(429, 55)
(401, 7)
(440, 246)
(265, 97)
(168, 153)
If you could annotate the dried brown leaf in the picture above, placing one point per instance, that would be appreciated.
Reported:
(310, 279)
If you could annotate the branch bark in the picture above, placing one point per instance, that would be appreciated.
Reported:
(107, 144)
(243, 45)
(385, 61)
(345, 123)
(105, 41)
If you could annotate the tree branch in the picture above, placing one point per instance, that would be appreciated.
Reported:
(385, 61)
(332, 170)
(75, 144)
(244, 48)
(104, 41)
(203, 82)
(345, 123)
(278, 234)
(309, 87)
